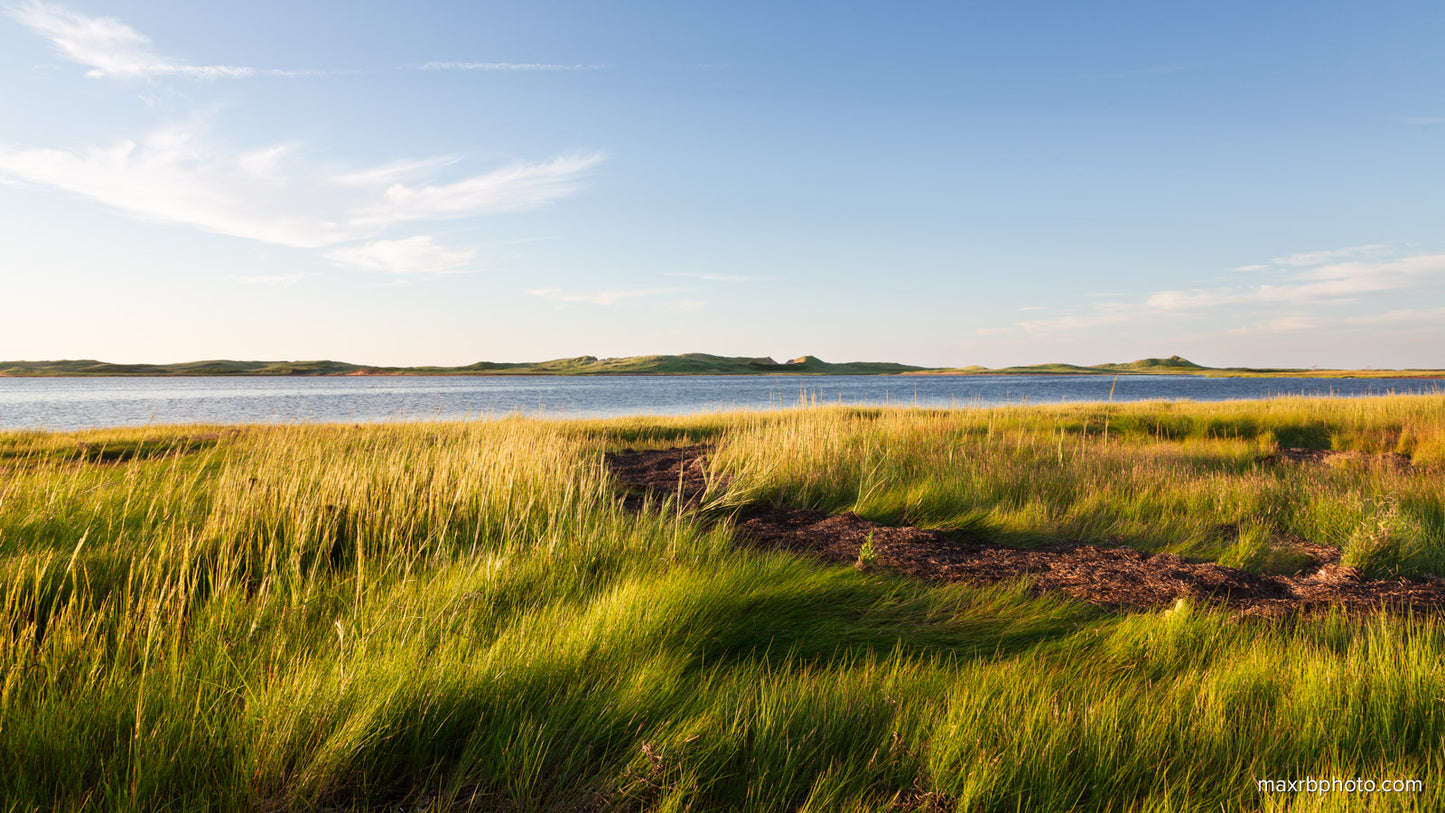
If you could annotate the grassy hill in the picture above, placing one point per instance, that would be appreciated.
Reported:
(1173, 364)
(685, 364)
(1177, 365)
(85, 367)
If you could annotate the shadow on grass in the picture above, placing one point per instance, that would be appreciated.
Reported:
(708, 687)
(781, 609)
(644, 435)
(112, 451)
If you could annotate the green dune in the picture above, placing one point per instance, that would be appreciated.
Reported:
(684, 364)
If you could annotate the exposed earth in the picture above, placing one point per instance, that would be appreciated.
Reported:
(1114, 577)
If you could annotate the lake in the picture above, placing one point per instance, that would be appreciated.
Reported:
(75, 403)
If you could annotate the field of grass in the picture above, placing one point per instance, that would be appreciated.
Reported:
(462, 615)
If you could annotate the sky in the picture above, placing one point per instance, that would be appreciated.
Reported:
(945, 184)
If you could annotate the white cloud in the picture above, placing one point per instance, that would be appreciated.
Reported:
(1400, 269)
(516, 187)
(599, 297)
(1338, 281)
(1307, 258)
(1400, 317)
(1252, 268)
(178, 175)
(393, 172)
(505, 66)
(1313, 281)
(174, 176)
(412, 255)
(109, 47)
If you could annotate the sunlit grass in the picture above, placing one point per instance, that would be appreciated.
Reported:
(453, 615)
(1193, 479)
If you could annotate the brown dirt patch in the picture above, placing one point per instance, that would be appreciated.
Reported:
(1331, 457)
(1121, 578)
(661, 473)
(1114, 577)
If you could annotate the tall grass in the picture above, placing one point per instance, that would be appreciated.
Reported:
(1193, 479)
(449, 615)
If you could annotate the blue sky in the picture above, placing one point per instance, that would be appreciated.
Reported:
(935, 183)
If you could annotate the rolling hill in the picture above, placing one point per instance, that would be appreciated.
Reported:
(684, 364)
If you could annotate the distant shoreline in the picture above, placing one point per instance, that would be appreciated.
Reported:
(689, 364)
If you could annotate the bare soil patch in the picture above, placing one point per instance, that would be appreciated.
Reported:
(1331, 457)
(679, 473)
(1113, 577)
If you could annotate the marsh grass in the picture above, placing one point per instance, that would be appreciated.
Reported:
(1192, 479)
(453, 615)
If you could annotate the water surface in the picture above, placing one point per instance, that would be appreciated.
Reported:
(75, 403)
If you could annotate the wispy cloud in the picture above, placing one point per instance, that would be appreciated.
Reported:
(516, 187)
(1330, 281)
(173, 175)
(1409, 318)
(413, 255)
(181, 174)
(1422, 120)
(604, 298)
(109, 47)
(1313, 280)
(177, 174)
(393, 172)
(1319, 257)
(506, 66)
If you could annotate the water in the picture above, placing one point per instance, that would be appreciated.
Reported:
(75, 403)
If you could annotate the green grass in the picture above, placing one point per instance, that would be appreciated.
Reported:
(454, 615)
(1192, 479)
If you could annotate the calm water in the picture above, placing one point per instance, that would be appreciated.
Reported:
(74, 403)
